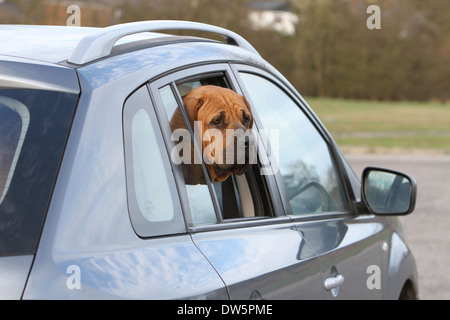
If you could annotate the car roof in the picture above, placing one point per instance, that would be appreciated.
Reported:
(52, 44)
(58, 53)
(45, 43)
(82, 45)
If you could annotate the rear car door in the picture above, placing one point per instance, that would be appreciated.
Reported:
(315, 191)
(239, 225)
(114, 228)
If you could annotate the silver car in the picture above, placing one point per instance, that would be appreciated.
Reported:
(93, 205)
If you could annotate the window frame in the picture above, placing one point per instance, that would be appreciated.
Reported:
(193, 72)
(341, 170)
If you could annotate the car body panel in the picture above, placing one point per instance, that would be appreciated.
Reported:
(30, 74)
(14, 272)
(170, 268)
(272, 261)
(88, 223)
(398, 265)
(347, 246)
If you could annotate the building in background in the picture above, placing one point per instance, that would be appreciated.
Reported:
(273, 15)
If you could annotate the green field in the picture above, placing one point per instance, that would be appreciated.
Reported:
(372, 126)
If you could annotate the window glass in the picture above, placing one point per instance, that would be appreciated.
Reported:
(302, 156)
(150, 182)
(200, 201)
(152, 194)
(34, 126)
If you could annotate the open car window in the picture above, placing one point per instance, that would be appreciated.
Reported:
(238, 197)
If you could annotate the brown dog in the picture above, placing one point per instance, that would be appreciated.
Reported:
(221, 118)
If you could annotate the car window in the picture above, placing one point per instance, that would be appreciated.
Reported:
(152, 195)
(200, 202)
(34, 126)
(302, 156)
(237, 197)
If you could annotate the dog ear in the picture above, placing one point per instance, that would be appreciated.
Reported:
(192, 104)
(176, 121)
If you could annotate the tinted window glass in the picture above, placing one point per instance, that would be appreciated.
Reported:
(34, 126)
(150, 181)
(152, 194)
(303, 157)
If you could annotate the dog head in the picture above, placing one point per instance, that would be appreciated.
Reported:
(222, 118)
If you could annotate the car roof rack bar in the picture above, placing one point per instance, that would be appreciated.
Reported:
(100, 44)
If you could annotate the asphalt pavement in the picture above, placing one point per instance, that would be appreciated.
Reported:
(427, 229)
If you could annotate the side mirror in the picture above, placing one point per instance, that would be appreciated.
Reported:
(386, 192)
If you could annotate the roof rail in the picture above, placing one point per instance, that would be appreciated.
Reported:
(100, 44)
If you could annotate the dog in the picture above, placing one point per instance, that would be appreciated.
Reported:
(221, 118)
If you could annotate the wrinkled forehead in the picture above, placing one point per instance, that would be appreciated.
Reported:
(226, 99)
(215, 93)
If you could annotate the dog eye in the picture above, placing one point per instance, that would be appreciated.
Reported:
(246, 119)
(216, 121)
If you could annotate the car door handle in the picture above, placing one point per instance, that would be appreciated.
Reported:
(334, 282)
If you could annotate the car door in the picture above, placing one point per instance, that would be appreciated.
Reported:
(315, 194)
(239, 224)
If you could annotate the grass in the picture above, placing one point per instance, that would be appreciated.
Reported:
(387, 126)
